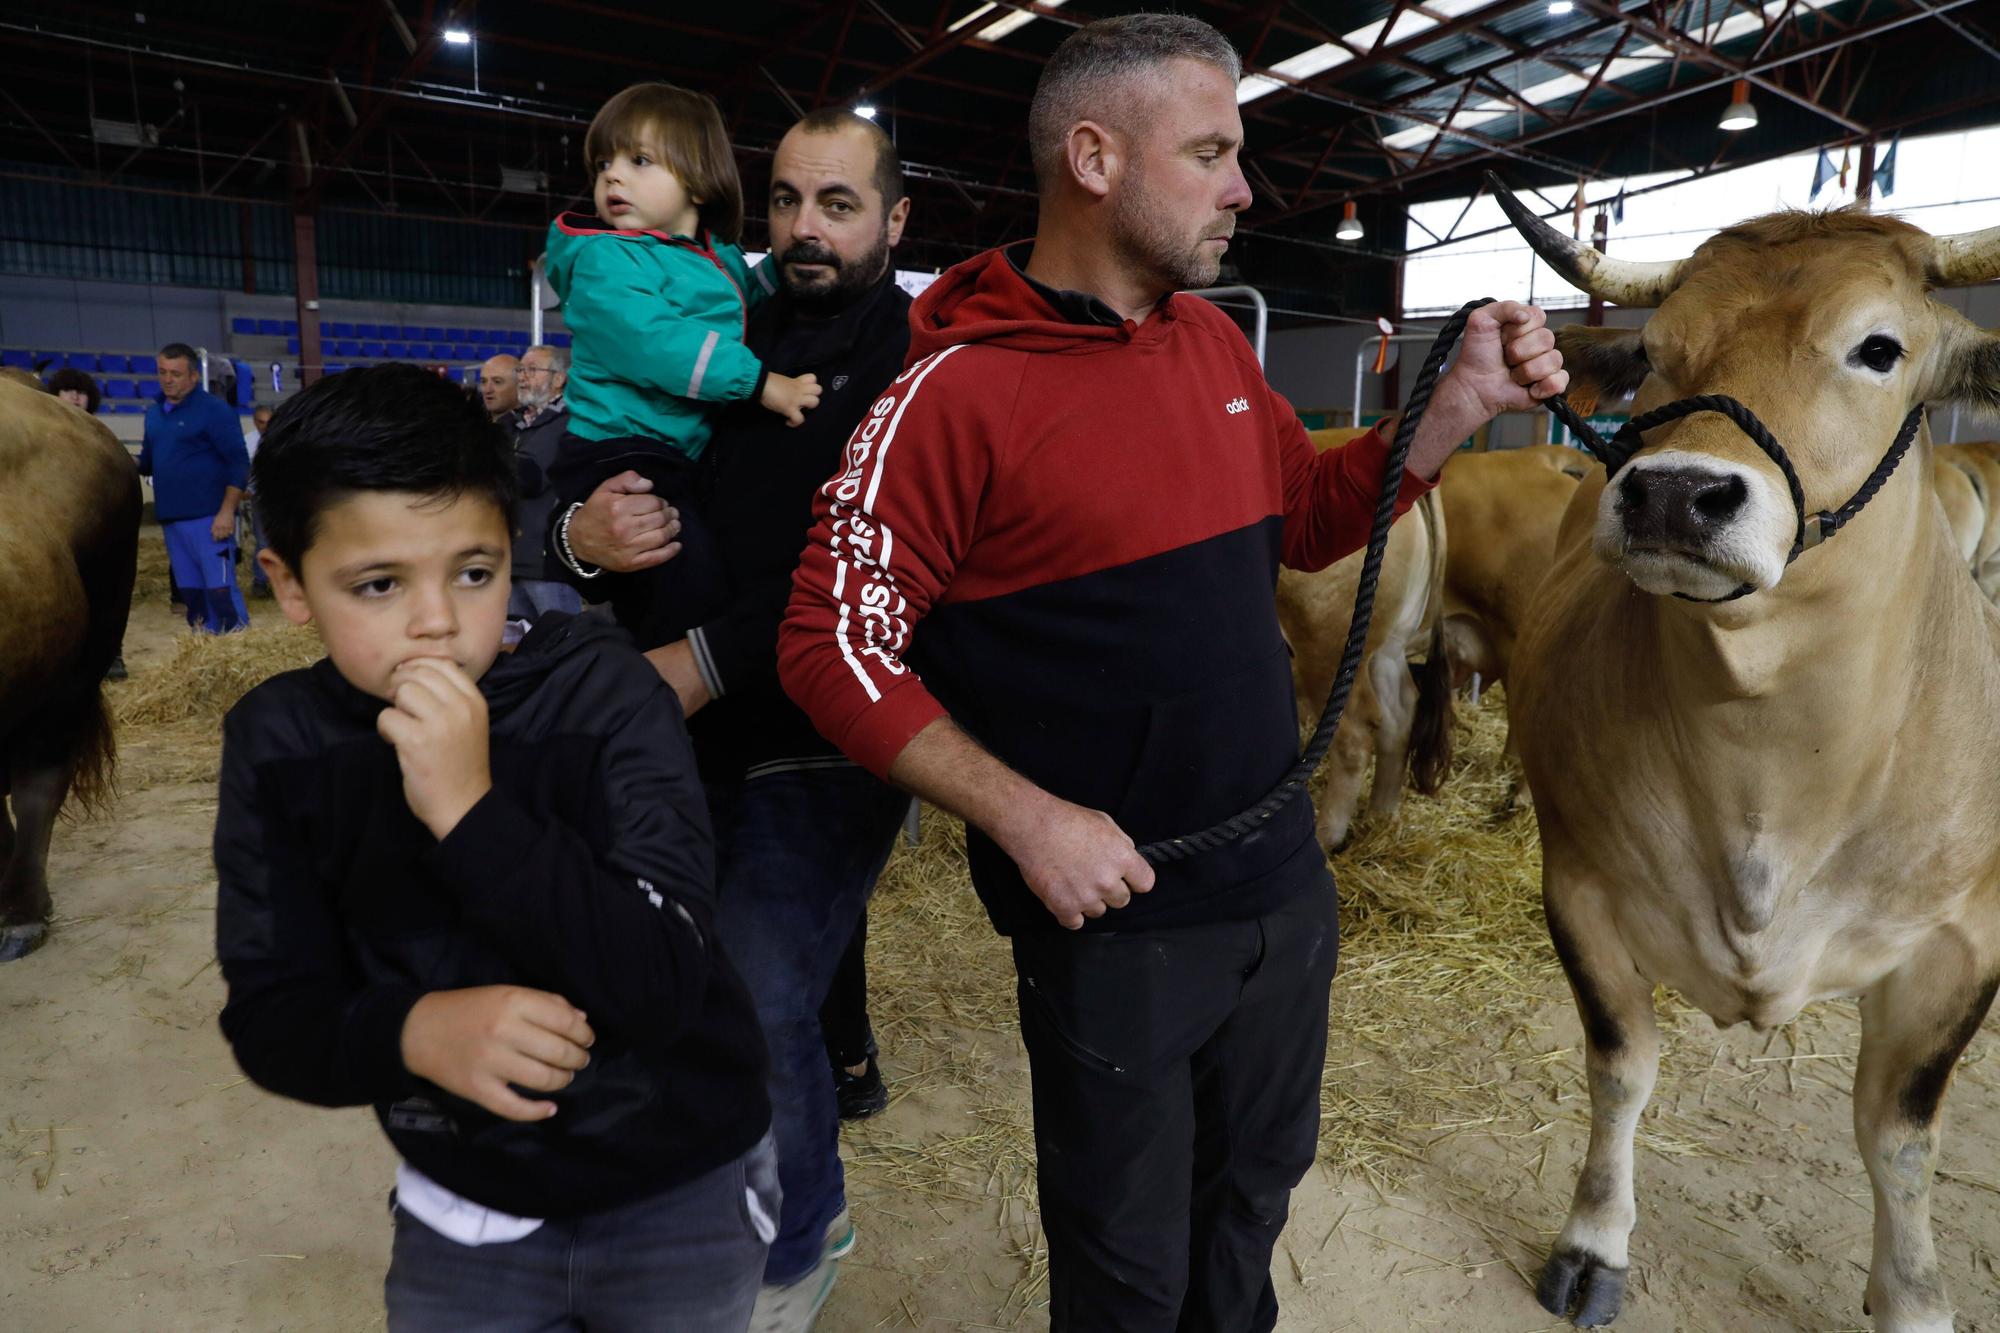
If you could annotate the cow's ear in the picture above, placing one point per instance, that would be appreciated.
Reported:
(1603, 364)
(1969, 369)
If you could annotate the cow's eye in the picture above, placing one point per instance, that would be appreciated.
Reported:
(1879, 353)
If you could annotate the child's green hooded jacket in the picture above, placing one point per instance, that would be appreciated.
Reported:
(657, 323)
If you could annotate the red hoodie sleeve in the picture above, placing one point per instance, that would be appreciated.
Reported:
(888, 531)
(1330, 493)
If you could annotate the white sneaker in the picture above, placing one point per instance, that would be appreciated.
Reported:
(793, 1307)
(840, 1236)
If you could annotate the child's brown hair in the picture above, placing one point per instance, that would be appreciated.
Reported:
(685, 127)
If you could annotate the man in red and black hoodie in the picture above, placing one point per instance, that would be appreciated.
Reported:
(1040, 595)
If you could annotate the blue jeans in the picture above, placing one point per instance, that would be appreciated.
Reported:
(796, 857)
(689, 1260)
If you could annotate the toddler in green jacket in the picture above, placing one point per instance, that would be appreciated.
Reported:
(657, 297)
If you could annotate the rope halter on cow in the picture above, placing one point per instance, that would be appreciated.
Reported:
(1812, 528)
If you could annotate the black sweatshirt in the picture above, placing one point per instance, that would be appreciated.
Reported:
(760, 476)
(588, 870)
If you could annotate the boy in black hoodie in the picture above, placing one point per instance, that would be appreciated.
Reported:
(478, 892)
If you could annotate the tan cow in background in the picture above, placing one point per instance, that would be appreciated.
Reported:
(1782, 797)
(1961, 493)
(1503, 509)
(1401, 721)
(1981, 464)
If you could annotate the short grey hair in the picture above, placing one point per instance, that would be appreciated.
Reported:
(558, 356)
(1082, 79)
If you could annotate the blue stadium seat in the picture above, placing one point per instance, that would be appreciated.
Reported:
(367, 331)
(486, 351)
(83, 361)
(291, 328)
(17, 358)
(120, 389)
(455, 335)
(340, 330)
(242, 324)
(475, 335)
(456, 374)
(518, 337)
(558, 340)
(113, 363)
(270, 328)
(149, 389)
(374, 349)
(400, 351)
(346, 347)
(419, 351)
(332, 368)
(291, 347)
(461, 352)
(433, 334)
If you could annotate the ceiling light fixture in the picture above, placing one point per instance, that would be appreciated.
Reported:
(458, 36)
(1350, 225)
(1739, 114)
(866, 111)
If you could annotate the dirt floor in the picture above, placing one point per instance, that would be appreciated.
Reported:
(145, 1185)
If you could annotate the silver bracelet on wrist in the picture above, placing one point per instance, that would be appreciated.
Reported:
(567, 556)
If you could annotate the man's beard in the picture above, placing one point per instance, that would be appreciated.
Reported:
(535, 399)
(1147, 241)
(848, 283)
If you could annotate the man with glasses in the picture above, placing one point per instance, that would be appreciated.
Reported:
(537, 426)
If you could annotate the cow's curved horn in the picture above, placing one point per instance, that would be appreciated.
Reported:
(1627, 282)
(1965, 259)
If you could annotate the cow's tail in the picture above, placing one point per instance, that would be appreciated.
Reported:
(81, 733)
(84, 737)
(1431, 730)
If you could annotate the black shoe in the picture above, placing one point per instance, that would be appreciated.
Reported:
(116, 671)
(860, 1095)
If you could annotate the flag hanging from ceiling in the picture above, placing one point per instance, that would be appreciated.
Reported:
(1885, 171)
(1822, 173)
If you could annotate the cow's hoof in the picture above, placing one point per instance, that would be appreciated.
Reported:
(20, 941)
(1576, 1281)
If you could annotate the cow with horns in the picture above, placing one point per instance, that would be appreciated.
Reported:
(1764, 773)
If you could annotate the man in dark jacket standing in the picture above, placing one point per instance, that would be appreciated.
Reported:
(801, 832)
(538, 426)
(195, 454)
(1068, 515)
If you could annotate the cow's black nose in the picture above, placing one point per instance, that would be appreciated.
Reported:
(1679, 507)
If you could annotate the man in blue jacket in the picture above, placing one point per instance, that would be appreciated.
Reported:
(195, 454)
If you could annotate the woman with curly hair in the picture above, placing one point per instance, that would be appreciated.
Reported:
(76, 388)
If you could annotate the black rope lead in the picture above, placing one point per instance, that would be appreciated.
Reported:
(1294, 781)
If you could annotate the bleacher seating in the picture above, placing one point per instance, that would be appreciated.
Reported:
(254, 343)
